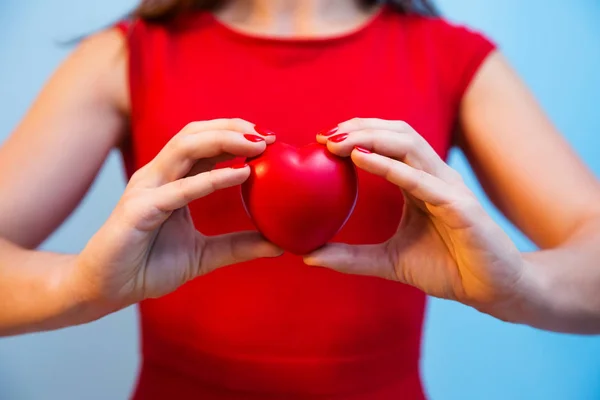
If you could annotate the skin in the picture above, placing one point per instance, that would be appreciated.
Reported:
(447, 245)
(148, 247)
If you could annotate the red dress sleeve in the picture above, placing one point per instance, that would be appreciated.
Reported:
(463, 51)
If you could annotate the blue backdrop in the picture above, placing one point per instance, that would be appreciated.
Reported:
(555, 46)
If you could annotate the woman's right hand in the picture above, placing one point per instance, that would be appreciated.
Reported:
(149, 246)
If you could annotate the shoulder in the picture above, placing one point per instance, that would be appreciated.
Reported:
(98, 46)
(438, 31)
(453, 52)
(98, 63)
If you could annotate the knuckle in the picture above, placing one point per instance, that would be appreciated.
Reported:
(236, 124)
(192, 127)
(133, 207)
(420, 175)
(129, 196)
(212, 179)
(421, 149)
(411, 143)
(404, 126)
(138, 176)
(413, 186)
(212, 140)
(238, 121)
(416, 183)
(358, 122)
(401, 126)
(182, 187)
(390, 169)
(468, 205)
(179, 144)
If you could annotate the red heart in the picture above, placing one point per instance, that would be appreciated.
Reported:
(299, 198)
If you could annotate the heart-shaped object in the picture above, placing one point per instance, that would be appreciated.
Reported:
(299, 198)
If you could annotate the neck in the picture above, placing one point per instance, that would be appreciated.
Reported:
(307, 18)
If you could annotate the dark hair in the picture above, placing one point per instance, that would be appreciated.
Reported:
(162, 10)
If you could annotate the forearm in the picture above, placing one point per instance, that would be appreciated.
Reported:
(560, 288)
(37, 291)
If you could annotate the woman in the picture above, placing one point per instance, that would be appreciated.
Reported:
(269, 326)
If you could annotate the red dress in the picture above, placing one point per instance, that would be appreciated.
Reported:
(277, 329)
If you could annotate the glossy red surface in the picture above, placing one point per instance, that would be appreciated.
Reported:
(299, 198)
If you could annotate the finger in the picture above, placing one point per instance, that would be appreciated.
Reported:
(357, 124)
(180, 193)
(416, 182)
(177, 158)
(228, 124)
(369, 260)
(384, 142)
(408, 148)
(235, 248)
(209, 163)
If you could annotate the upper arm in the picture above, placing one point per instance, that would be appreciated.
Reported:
(48, 163)
(526, 167)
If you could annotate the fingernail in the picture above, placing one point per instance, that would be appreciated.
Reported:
(254, 138)
(338, 138)
(362, 150)
(329, 132)
(239, 166)
(263, 131)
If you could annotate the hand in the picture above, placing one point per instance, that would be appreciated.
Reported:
(446, 244)
(149, 246)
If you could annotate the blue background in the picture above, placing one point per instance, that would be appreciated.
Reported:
(554, 45)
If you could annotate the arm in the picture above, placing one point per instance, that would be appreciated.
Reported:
(149, 246)
(448, 246)
(534, 177)
(46, 167)
(36, 291)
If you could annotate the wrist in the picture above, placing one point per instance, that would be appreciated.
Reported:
(40, 292)
(88, 302)
(550, 297)
(528, 300)
(74, 297)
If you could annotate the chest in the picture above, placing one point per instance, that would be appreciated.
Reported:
(296, 93)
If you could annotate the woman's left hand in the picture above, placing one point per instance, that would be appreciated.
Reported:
(446, 244)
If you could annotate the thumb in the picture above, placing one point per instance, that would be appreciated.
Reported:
(234, 248)
(369, 260)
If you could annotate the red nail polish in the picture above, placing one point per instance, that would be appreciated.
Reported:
(362, 150)
(263, 131)
(254, 138)
(329, 132)
(339, 138)
(239, 166)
